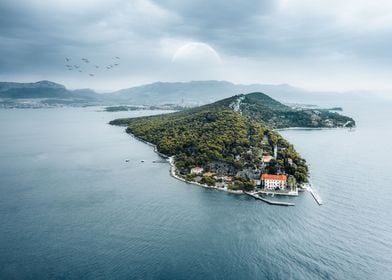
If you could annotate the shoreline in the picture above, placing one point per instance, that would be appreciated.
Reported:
(174, 175)
(149, 144)
(309, 128)
(172, 170)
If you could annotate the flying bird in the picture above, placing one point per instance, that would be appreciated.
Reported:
(67, 59)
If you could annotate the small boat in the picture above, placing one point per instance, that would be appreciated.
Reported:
(142, 160)
(127, 160)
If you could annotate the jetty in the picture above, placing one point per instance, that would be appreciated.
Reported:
(271, 202)
(315, 195)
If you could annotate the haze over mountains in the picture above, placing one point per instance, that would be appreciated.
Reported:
(195, 93)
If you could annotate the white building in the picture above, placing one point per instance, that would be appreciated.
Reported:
(266, 159)
(197, 170)
(272, 182)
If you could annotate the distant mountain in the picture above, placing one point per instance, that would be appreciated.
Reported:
(5, 86)
(45, 94)
(197, 93)
(188, 94)
(183, 94)
(42, 89)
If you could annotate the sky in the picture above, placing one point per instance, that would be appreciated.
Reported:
(314, 44)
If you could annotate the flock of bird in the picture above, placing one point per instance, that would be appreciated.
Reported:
(79, 68)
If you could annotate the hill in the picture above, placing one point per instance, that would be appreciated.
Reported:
(262, 108)
(228, 137)
(44, 93)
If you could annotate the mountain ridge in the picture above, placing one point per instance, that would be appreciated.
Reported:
(183, 94)
(262, 108)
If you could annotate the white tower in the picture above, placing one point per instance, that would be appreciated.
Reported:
(275, 151)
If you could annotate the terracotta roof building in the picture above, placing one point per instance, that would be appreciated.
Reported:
(273, 182)
(197, 170)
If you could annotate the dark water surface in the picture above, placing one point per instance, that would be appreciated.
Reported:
(72, 208)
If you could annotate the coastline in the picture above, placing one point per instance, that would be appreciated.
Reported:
(173, 168)
(174, 175)
(149, 144)
(307, 128)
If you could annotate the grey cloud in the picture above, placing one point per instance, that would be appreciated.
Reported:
(35, 37)
(218, 14)
(232, 26)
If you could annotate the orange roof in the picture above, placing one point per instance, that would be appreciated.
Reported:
(209, 174)
(273, 177)
(228, 178)
(197, 168)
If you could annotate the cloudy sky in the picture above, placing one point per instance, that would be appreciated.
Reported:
(315, 44)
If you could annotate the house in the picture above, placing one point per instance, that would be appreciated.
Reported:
(197, 170)
(272, 182)
(227, 178)
(266, 158)
(209, 174)
(224, 178)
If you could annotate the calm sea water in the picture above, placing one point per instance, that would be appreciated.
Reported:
(72, 208)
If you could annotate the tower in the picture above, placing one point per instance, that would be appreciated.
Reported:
(275, 151)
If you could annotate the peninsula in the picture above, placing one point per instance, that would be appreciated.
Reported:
(232, 144)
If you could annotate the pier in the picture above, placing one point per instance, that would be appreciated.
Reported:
(271, 202)
(315, 195)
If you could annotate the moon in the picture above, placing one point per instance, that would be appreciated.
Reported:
(196, 53)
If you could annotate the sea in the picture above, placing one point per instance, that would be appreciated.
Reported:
(81, 199)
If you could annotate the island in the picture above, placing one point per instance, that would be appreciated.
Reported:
(232, 144)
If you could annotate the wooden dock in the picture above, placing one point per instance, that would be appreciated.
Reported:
(271, 202)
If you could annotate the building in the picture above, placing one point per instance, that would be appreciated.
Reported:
(266, 158)
(276, 151)
(197, 170)
(224, 178)
(273, 182)
(209, 174)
